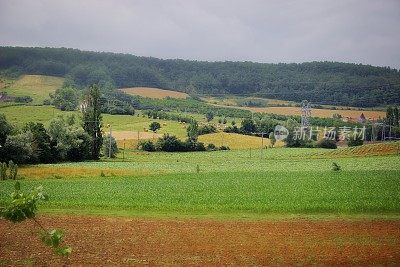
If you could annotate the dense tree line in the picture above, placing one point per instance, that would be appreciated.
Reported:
(319, 82)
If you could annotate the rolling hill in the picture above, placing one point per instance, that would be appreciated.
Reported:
(331, 83)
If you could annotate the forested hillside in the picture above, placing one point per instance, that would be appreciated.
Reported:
(320, 82)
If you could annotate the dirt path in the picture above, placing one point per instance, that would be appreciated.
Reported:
(118, 241)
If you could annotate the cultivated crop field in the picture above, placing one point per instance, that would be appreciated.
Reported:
(278, 180)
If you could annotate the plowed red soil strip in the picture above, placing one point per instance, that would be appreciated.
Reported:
(119, 241)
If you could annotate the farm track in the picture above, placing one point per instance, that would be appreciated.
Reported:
(100, 241)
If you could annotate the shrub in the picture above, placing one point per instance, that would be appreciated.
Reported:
(327, 143)
(170, 143)
(154, 126)
(355, 140)
(147, 145)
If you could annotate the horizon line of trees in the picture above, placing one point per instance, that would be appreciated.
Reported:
(332, 83)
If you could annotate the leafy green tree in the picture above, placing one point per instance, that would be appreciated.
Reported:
(390, 116)
(154, 126)
(18, 148)
(41, 144)
(66, 98)
(92, 119)
(70, 141)
(106, 146)
(248, 126)
(5, 129)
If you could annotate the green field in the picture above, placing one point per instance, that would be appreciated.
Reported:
(284, 182)
(36, 86)
(20, 115)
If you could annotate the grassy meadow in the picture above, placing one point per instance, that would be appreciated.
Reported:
(36, 86)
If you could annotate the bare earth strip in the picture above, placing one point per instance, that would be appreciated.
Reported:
(99, 241)
(154, 92)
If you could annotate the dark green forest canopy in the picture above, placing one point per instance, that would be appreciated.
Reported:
(320, 82)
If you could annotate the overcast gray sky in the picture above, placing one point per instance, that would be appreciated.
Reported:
(358, 31)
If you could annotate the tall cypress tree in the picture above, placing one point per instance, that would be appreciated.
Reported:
(92, 119)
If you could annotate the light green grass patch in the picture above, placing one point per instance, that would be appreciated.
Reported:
(36, 86)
